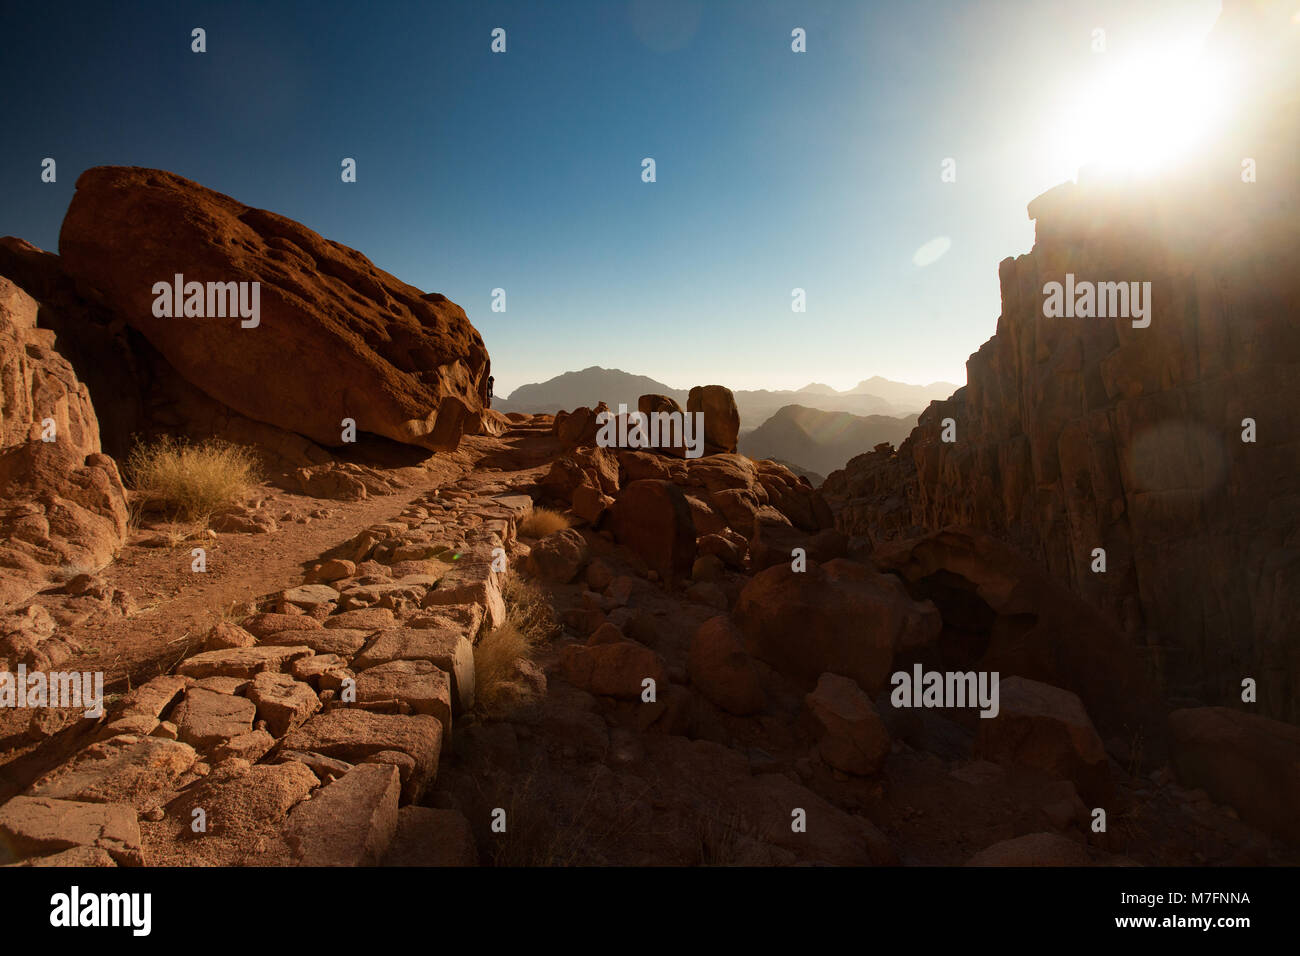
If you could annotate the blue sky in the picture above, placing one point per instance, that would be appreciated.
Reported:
(522, 170)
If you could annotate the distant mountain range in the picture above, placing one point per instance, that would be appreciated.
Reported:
(874, 396)
(820, 441)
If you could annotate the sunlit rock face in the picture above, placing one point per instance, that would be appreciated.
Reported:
(326, 336)
(1174, 446)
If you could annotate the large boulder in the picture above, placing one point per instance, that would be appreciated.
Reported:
(721, 417)
(653, 519)
(580, 426)
(852, 737)
(1046, 728)
(336, 337)
(559, 556)
(651, 404)
(721, 670)
(1247, 761)
(839, 616)
(616, 669)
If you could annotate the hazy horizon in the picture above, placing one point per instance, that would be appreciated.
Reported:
(771, 388)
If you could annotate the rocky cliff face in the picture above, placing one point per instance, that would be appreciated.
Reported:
(64, 505)
(1074, 434)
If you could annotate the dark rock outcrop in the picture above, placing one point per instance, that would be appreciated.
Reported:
(1085, 433)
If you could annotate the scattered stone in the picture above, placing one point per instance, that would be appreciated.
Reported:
(126, 769)
(307, 596)
(330, 641)
(38, 826)
(225, 635)
(241, 661)
(266, 624)
(558, 557)
(1033, 849)
(1247, 761)
(78, 856)
(614, 670)
(420, 684)
(206, 718)
(853, 737)
(135, 724)
(154, 697)
(354, 735)
(334, 569)
(447, 648)
(350, 822)
(325, 768)
(252, 746)
(282, 702)
(362, 619)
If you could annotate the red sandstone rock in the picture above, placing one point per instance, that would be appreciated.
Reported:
(654, 520)
(337, 337)
(64, 500)
(853, 737)
(615, 669)
(721, 670)
(1046, 728)
(559, 556)
(840, 617)
(721, 417)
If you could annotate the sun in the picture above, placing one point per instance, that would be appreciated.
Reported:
(1145, 112)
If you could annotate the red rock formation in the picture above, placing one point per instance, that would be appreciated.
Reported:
(336, 338)
(721, 417)
(64, 505)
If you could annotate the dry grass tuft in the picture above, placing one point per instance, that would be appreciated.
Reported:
(494, 671)
(191, 480)
(543, 521)
(529, 624)
(528, 609)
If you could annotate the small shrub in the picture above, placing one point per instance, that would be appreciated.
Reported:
(529, 624)
(528, 609)
(494, 672)
(543, 521)
(191, 480)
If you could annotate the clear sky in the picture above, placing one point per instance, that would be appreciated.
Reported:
(523, 170)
